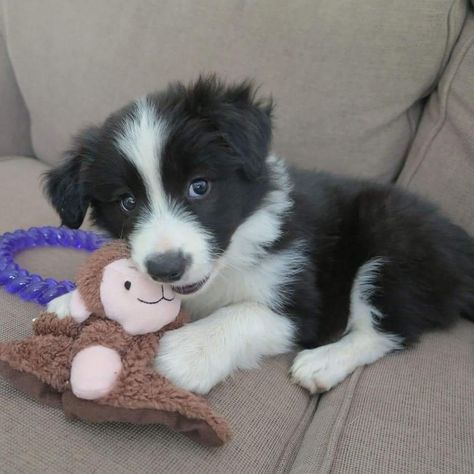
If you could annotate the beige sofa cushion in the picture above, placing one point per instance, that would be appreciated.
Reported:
(14, 120)
(410, 412)
(22, 204)
(347, 75)
(441, 162)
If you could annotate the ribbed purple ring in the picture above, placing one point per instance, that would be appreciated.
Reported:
(32, 287)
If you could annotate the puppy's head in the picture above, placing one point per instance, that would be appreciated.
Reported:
(176, 173)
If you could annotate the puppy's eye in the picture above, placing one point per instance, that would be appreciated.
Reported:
(198, 188)
(128, 203)
(127, 285)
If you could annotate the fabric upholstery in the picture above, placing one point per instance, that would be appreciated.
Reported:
(22, 204)
(409, 412)
(441, 162)
(265, 422)
(14, 120)
(347, 75)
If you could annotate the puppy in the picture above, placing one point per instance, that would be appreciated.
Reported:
(267, 258)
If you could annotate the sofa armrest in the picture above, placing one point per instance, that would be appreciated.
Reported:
(14, 119)
(440, 164)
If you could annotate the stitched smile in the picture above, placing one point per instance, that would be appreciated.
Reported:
(155, 302)
(163, 297)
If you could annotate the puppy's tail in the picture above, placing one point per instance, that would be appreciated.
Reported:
(467, 309)
(462, 256)
(467, 305)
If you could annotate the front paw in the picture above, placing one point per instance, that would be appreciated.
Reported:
(320, 369)
(186, 357)
(61, 306)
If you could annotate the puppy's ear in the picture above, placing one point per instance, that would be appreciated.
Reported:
(248, 128)
(241, 119)
(64, 184)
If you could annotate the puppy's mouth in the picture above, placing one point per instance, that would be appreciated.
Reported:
(192, 288)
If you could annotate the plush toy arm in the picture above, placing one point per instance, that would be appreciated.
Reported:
(94, 371)
(103, 332)
(49, 323)
(97, 358)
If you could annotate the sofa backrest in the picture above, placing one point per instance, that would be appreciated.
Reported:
(347, 76)
(14, 120)
(441, 162)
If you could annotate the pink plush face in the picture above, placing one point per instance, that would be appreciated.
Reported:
(137, 303)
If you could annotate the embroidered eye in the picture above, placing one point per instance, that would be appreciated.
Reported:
(128, 203)
(127, 285)
(198, 188)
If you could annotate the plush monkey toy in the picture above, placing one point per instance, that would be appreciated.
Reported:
(98, 363)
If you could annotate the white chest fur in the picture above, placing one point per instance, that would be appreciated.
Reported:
(247, 272)
(265, 282)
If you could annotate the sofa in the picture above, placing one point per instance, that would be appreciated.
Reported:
(370, 88)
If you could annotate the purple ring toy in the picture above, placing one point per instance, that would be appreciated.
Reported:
(32, 287)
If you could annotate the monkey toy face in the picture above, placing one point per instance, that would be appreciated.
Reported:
(131, 298)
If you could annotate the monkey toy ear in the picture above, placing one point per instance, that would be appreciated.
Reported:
(79, 311)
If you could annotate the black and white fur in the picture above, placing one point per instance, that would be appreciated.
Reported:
(347, 270)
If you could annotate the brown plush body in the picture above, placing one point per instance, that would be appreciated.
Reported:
(41, 366)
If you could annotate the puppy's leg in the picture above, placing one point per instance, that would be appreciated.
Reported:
(198, 356)
(320, 369)
(61, 305)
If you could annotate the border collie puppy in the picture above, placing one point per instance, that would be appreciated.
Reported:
(266, 258)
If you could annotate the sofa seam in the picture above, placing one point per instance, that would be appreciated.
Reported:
(339, 424)
(337, 427)
(443, 116)
(449, 29)
(6, 158)
(285, 466)
(413, 126)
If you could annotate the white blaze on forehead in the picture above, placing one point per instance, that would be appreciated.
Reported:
(141, 140)
(164, 224)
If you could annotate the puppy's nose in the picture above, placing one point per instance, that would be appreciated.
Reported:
(167, 267)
